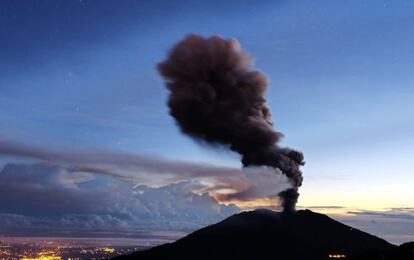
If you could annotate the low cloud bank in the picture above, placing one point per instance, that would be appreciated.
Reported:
(43, 199)
(106, 192)
(226, 184)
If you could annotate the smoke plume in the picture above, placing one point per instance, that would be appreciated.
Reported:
(216, 97)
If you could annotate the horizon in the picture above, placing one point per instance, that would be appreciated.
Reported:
(88, 147)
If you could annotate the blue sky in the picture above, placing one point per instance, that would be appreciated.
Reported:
(81, 75)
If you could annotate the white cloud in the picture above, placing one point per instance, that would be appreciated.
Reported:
(42, 198)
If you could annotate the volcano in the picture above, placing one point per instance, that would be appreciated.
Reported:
(265, 234)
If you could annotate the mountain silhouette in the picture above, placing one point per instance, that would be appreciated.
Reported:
(265, 234)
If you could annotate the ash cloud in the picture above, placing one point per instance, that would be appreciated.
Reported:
(264, 182)
(217, 98)
(139, 168)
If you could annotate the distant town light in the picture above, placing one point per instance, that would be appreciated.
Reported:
(336, 256)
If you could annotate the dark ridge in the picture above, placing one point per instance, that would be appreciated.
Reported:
(265, 234)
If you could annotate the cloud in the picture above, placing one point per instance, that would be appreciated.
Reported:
(89, 191)
(260, 190)
(39, 198)
(117, 164)
(395, 225)
(227, 184)
(324, 207)
(393, 213)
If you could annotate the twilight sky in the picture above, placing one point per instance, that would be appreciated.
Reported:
(78, 86)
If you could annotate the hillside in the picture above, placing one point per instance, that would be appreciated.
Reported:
(265, 234)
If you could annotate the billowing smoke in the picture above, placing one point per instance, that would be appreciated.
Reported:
(216, 97)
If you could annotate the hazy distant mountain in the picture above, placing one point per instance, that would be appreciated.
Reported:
(265, 234)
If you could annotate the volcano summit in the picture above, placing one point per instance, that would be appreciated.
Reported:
(265, 234)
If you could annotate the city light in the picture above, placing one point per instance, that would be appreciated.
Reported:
(59, 249)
